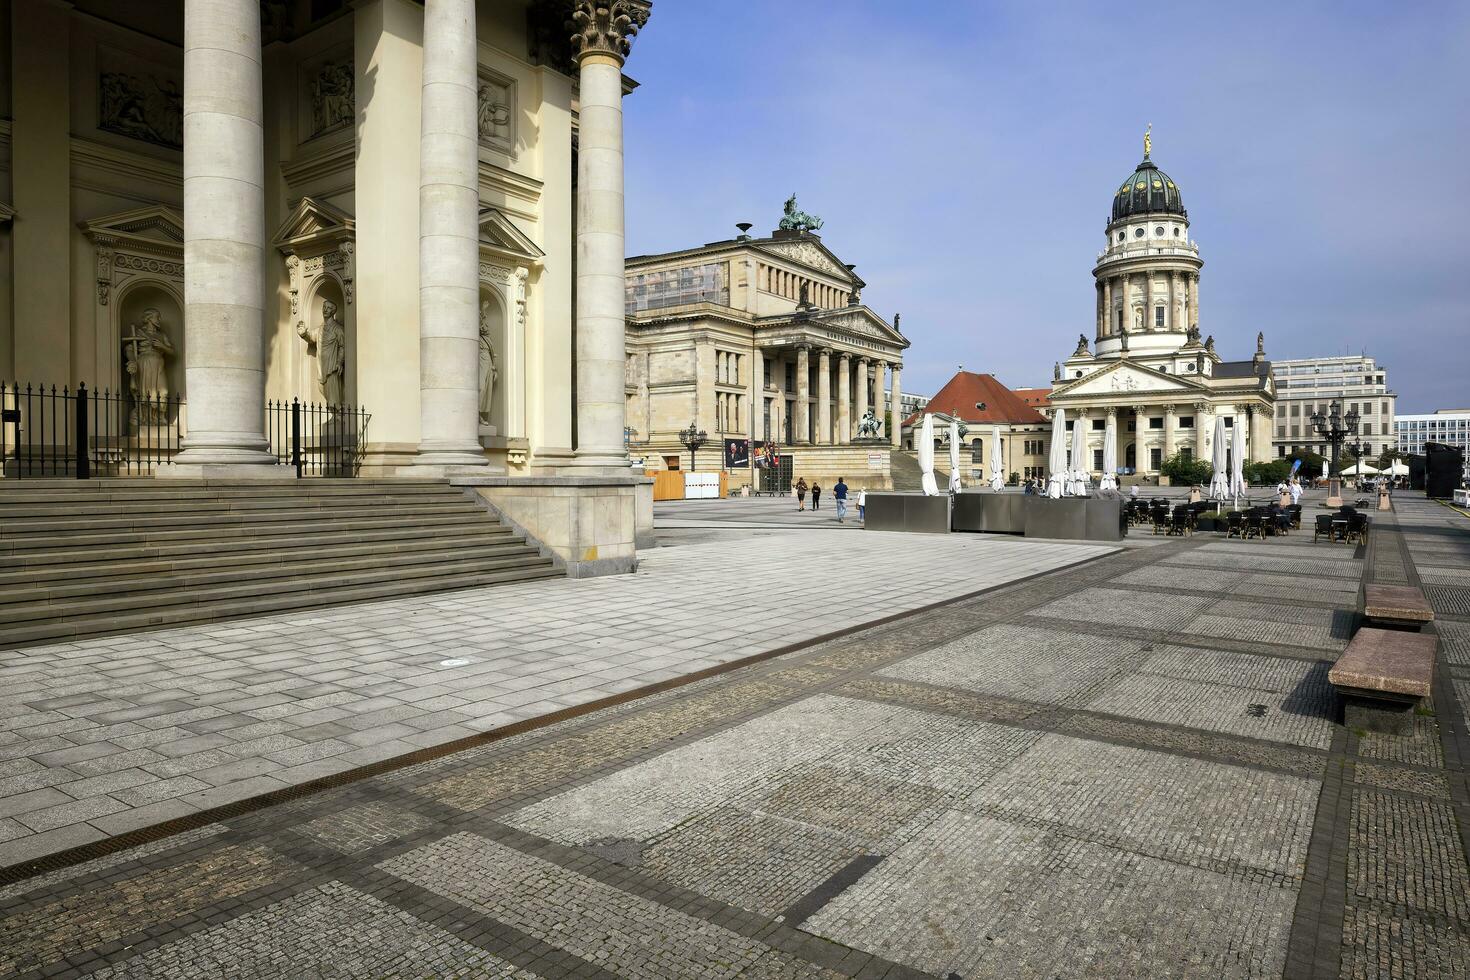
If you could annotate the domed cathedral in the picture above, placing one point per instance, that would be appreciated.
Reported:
(1147, 365)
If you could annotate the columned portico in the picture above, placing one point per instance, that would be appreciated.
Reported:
(449, 280)
(224, 243)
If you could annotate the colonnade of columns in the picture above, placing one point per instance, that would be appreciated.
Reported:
(224, 238)
(1137, 292)
(836, 420)
(1257, 420)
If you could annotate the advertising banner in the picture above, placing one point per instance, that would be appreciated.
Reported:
(737, 453)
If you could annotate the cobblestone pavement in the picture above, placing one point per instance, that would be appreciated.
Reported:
(104, 737)
(1103, 771)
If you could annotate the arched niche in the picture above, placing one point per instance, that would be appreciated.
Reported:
(505, 288)
(325, 289)
(132, 306)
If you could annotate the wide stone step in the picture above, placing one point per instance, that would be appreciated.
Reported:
(139, 590)
(119, 565)
(390, 535)
(78, 627)
(19, 493)
(262, 506)
(264, 590)
(148, 522)
(19, 546)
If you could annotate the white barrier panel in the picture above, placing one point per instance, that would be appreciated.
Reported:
(701, 486)
(1462, 497)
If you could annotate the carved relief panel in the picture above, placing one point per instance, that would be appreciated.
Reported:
(139, 100)
(496, 111)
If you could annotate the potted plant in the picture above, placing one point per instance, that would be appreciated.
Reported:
(1211, 520)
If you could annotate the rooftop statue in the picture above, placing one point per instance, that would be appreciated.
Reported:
(796, 220)
(1261, 343)
(1148, 141)
(1081, 345)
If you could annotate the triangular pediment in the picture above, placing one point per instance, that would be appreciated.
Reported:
(858, 320)
(311, 221)
(157, 226)
(499, 234)
(810, 252)
(1124, 378)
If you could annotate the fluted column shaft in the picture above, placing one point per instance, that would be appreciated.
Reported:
(824, 398)
(803, 396)
(844, 399)
(449, 250)
(224, 236)
(895, 426)
(862, 388)
(600, 285)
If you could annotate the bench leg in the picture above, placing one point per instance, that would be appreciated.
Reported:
(1386, 717)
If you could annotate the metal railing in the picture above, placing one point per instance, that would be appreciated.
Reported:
(63, 432)
(317, 439)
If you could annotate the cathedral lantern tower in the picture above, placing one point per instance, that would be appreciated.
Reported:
(1148, 273)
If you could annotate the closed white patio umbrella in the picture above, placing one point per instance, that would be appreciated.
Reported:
(1237, 464)
(1056, 460)
(926, 455)
(1109, 479)
(1219, 482)
(954, 456)
(997, 463)
(1081, 471)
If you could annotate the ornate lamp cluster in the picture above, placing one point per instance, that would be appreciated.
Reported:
(1335, 427)
(692, 438)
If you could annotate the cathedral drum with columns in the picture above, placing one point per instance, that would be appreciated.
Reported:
(1147, 367)
(391, 205)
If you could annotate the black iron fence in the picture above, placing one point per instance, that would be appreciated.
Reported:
(65, 432)
(317, 439)
(60, 431)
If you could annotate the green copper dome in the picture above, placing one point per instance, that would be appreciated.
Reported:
(1148, 190)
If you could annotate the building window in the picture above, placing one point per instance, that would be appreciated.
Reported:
(1186, 453)
(1296, 410)
(1098, 425)
(1155, 458)
(1097, 459)
(1229, 422)
(1186, 421)
(1158, 316)
(790, 376)
(1156, 422)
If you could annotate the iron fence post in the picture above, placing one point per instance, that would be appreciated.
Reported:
(84, 469)
(296, 435)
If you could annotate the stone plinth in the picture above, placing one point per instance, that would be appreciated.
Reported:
(1382, 676)
(589, 523)
(1396, 607)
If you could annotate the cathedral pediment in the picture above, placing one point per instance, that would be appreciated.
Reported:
(501, 236)
(810, 252)
(1122, 378)
(157, 229)
(312, 221)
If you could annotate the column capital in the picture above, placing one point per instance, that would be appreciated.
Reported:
(1201, 408)
(606, 27)
(844, 358)
(1112, 411)
(825, 352)
(864, 360)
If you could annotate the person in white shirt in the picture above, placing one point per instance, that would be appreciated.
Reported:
(862, 502)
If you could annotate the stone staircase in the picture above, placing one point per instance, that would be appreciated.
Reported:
(90, 557)
(903, 467)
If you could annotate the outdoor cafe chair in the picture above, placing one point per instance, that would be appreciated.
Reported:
(1254, 525)
(1179, 524)
(1357, 527)
(1324, 526)
(1235, 524)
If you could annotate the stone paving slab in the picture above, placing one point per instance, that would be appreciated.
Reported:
(105, 736)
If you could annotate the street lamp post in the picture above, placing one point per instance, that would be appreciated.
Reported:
(692, 438)
(1335, 427)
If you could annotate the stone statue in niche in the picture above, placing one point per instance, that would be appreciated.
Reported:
(141, 107)
(331, 97)
(489, 366)
(493, 115)
(146, 350)
(1138, 319)
(330, 340)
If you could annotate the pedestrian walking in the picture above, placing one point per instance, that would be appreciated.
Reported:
(862, 504)
(801, 494)
(839, 494)
(816, 494)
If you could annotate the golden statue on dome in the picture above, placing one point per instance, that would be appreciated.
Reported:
(1148, 142)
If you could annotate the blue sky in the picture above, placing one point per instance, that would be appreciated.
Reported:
(964, 156)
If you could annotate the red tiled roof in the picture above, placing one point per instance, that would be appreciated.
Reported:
(1035, 397)
(958, 397)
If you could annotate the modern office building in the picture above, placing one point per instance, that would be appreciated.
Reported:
(1311, 384)
(1448, 426)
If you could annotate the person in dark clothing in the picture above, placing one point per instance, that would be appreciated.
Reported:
(801, 494)
(839, 494)
(816, 494)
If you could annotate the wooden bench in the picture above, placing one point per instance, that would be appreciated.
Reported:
(1400, 607)
(1381, 677)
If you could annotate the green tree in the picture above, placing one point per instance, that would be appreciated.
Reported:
(1183, 469)
(1268, 473)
